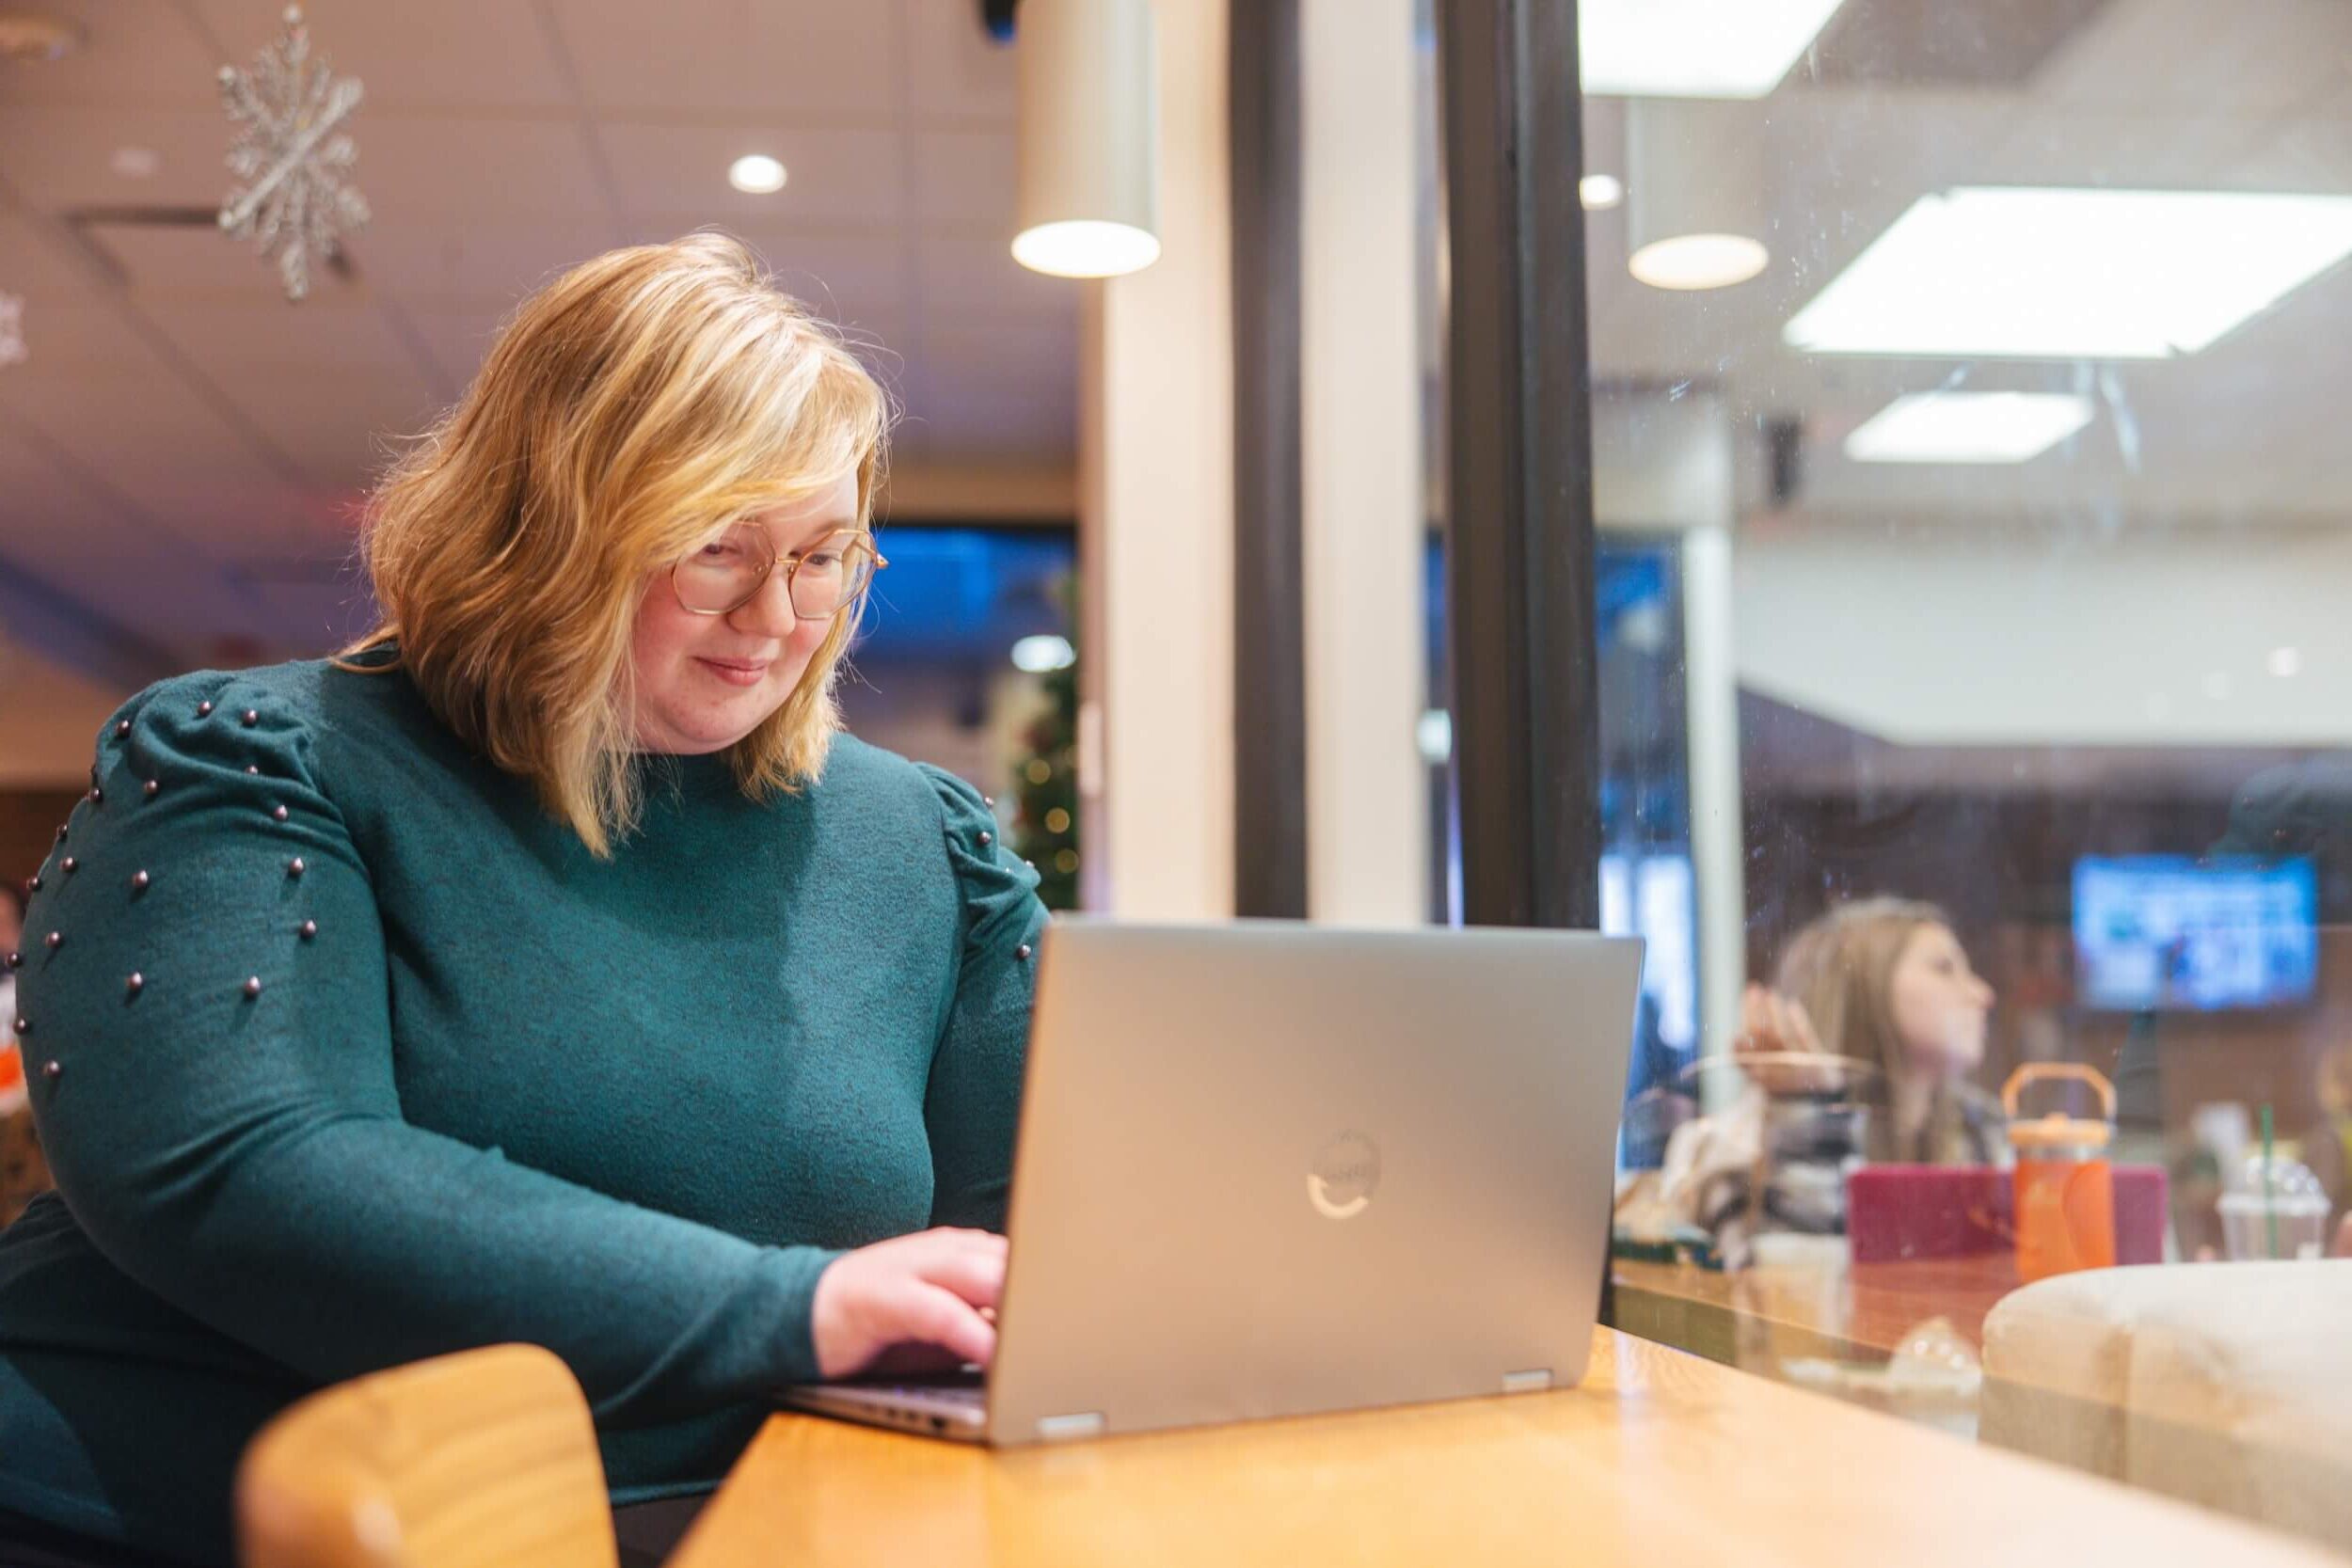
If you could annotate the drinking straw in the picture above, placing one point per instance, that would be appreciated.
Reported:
(2270, 1209)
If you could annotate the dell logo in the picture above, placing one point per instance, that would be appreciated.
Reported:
(1343, 1177)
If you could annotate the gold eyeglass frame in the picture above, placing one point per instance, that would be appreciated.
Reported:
(791, 570)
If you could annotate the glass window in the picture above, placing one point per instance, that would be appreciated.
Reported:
(1976, 685)
(967, 660)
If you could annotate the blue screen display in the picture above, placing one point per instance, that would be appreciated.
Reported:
(2159, 931)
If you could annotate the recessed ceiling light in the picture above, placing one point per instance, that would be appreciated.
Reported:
(2051, 274)
(1968, 427)
(1694, 48)
(1698, 262)
(756, 174)
(135, 162)
(1600, 192)
(2285, 663)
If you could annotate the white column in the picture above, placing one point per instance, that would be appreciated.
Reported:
(1361, 449)
(1661, 466)
(1156, 523)
(1718, 857)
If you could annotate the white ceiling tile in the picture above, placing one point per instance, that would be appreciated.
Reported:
(417, 55)
(483, 266)
(968, 182)
(806, 59)
(857, 282)
(342, 429)
(326, 334)
(674, 178)
(193, 263)
(34, 262)
(71, 340)
(962, 280)
(424, 168)
(132, 54)
(57, 155)
(959, 72)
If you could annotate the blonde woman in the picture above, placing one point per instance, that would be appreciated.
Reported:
(1862, 1048)
(548, 968)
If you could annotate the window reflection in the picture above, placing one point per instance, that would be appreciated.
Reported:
(1997, 734)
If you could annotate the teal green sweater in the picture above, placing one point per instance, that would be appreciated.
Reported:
(405, 1070)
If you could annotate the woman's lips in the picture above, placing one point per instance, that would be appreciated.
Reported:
(736, 672)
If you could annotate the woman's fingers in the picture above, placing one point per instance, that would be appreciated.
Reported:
(940, 1317)
(975, 1274)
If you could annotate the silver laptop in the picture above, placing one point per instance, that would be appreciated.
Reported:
(1267, 1168)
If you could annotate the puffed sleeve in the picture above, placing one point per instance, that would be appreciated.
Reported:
(974, 1102)
(204, 1003)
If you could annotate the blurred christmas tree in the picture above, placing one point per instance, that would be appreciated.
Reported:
(1045, 829)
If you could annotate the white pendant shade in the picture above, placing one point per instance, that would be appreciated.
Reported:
(1089, 203)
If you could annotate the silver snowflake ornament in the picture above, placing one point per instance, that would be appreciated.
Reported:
(293, 153)
(12, 350)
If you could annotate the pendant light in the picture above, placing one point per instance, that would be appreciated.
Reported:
(1089, 203)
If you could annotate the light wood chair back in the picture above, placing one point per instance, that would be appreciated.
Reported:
(486, 1459)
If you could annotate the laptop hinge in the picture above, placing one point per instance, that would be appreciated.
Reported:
(1061, 1429)
(1527, 1383)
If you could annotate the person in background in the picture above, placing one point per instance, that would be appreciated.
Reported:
(1861, 1049)
(2326, 1145)
(549, 968)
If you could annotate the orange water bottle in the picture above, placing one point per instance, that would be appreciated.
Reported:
(2065, 1212)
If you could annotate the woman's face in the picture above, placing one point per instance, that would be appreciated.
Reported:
(703, 682)
(1939, 1004)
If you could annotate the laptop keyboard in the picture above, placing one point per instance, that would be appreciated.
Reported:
(968, 1396)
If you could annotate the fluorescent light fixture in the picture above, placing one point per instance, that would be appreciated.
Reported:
(1086, 248)
(1694, 48)
(1035, 655)
(756, 174)
(1600, 192)
(2054, 274)
(1698, 262)
(1968, 427)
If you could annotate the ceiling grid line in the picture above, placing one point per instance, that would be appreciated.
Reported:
(591, 133)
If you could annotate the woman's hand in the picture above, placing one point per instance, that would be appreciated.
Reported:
(1773, 1029)
(913, 1303)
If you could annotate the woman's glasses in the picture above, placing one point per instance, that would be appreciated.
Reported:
(822, 580)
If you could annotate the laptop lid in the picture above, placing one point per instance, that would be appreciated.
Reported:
(1267, 1168)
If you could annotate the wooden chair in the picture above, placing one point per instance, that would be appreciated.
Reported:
(486, 1459)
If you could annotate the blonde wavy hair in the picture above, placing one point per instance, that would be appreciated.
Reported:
(627, 413)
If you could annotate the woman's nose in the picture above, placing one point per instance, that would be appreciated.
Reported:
(769, 612)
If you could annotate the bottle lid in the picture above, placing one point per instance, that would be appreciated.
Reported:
(2060, 1131)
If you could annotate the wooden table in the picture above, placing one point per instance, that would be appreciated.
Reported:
(1857, 1312)
(1659, 1459)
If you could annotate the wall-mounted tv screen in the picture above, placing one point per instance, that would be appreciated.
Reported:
(2162, 931)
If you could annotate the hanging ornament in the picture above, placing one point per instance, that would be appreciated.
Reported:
(12, 350)
(294, 154)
